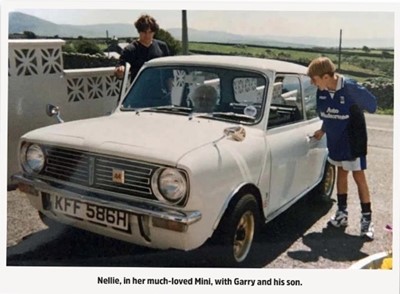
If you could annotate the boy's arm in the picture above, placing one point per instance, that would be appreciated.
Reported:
(363, 98)
(126, 55)
(123, 58)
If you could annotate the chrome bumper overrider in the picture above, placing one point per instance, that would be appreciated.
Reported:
(135, 207)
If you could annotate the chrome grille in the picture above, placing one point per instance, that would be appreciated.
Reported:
(67, 165)
(96, 171)
(137, 176)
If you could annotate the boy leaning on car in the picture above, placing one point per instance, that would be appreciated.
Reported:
(340, 104)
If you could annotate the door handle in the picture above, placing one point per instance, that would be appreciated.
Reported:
(311, 139)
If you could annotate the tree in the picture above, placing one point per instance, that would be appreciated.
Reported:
(30, 35)
(87, 47)
(366, 49)
(68, 48)
(174, 45)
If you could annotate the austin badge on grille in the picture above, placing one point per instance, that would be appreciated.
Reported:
(118, 176)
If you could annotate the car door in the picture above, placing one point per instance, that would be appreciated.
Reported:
(295, 158)
(312, 164)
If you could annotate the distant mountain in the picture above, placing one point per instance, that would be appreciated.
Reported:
(224, 37)
(20, 22)
(283, 41)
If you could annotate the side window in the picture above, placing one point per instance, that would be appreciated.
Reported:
(286, 105)
(310, 98)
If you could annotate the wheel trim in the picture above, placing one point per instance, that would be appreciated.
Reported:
(329, 180)
(243, 236)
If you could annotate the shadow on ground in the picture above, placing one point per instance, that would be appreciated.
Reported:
(71, 247)
(333, 244)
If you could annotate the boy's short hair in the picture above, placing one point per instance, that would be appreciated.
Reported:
(146, 22)
(321, 66)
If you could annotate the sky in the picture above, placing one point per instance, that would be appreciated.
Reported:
(254, 19)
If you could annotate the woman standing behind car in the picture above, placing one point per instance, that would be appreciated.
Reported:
(143, 49)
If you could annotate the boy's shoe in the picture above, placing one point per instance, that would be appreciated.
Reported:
(339, 219)
(367, 228)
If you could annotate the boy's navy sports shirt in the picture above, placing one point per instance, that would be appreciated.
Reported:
(343, 118)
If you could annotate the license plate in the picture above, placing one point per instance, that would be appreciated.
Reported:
(91, 212)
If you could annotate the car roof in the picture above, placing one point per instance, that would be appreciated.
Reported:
(231, 61)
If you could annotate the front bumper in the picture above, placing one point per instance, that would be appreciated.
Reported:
(156, 223)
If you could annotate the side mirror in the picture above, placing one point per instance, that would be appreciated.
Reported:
(52, 110)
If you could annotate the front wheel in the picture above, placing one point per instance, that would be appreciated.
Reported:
(323, 191)
(237, 231)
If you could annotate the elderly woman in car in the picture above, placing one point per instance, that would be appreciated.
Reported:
(204, 98)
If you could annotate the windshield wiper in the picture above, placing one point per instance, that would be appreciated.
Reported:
(222, 114)
(192, 115)
(157, 108)
(233, 114)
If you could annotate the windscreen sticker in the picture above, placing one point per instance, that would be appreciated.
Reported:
(250, 111)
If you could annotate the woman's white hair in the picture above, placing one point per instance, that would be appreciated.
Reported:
(204, 98)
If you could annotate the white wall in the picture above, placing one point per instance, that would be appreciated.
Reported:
(37, 77)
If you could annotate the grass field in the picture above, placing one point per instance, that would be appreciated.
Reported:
(359, 63)
(362, 64)
(355, 62)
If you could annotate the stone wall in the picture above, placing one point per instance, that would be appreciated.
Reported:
(384, 91)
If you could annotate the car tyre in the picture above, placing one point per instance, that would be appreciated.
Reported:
(237, 231)
(323, 191)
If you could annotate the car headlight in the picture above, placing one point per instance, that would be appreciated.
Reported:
(32, 158)
(170, 184)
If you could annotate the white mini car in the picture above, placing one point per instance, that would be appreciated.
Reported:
(200, 148)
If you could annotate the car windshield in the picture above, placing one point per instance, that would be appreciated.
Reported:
(223, 94)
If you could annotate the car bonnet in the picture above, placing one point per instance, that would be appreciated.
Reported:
(155, 137)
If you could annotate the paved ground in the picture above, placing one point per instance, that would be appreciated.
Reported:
(296, 239)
